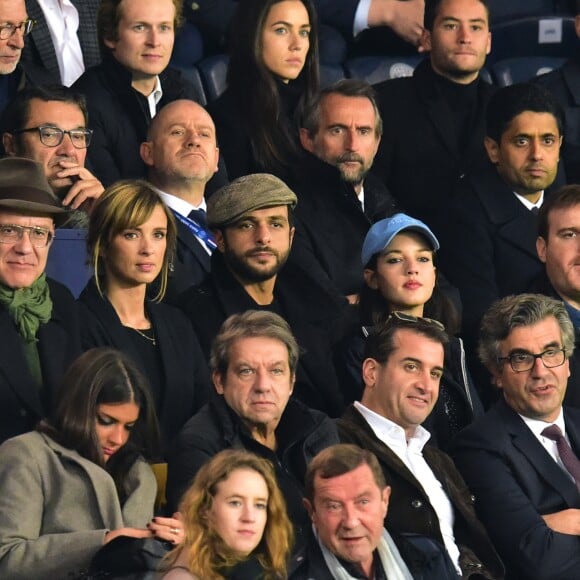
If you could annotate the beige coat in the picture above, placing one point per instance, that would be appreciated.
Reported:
(56, 507)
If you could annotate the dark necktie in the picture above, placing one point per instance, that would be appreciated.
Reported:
(535, 210)
(199, 217)
(567, 456)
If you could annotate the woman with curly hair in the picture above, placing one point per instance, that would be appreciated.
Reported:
(235, 520)
(272, 73)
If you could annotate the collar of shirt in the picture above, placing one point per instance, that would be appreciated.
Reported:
(179, 205)
(155, 96)
(536, 426)
(394, 435)
(527, 203)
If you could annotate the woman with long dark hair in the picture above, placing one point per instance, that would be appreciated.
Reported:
(82, 478)
(131, 239)
(235, 522)
(272, 73)
(400, 275)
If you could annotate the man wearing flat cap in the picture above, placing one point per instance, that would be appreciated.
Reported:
(251, 219)
(38, 322)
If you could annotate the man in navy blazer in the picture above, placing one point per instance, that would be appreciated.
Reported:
(525, 496)
(181, 154)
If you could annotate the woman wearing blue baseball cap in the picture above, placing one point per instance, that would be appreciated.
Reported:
(398, 257)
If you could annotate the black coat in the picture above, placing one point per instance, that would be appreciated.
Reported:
(419, 158)
(564, 84)
(185, 375)
(410, 510)
(516, 482)
(313, 316)
(488, 249)
(300, 435)
(22, 403)
(190, 266)
(331, 225)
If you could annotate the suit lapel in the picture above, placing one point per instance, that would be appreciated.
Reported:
(193, 245)
(41, 36)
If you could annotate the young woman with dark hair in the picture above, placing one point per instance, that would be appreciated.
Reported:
(82, 478)
(272, 73)
(398, 256)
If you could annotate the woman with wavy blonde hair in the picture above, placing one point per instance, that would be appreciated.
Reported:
(235, 522)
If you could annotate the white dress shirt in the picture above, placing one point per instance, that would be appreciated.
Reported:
(62, 19)
(410, 452)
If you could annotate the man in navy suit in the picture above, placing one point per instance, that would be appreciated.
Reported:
(525, 483)
(182, 156)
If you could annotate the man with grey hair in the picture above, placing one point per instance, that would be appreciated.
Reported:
(251, 219)
(340, 132)
(520, 459)
(253, 363)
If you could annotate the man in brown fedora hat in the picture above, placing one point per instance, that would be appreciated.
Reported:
(38, 322)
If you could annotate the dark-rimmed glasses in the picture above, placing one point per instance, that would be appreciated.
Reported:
(525, 361)
(7, 29)
(53, 136)
(39, 237)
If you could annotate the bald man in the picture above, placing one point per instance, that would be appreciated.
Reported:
(181, 154)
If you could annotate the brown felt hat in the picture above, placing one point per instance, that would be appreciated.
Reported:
(247, 194)
(23, 186)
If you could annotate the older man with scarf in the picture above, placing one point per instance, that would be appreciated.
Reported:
(38, 321)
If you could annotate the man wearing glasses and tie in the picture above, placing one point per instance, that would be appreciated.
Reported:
(521, 458)
(50, 125)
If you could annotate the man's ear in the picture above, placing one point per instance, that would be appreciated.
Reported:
(309, 507)
(145, 150)
(425, 42)
(219, 240)
(369, 372)
(306, 141)
(8, 144)
(492, 148)
(541, 248)
(216, 377)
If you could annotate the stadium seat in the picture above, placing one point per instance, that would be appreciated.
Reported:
(67, 259)
(534, 36)
(502, 10)
(518, 70)
(376, 69)
(330, 73)
(213, 72)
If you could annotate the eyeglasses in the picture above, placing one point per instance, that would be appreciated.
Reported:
(7, 30)
(53, 136)
(402, 316)
(525, 361)
(39, 237)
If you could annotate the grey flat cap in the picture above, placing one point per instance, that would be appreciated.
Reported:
(247, 194)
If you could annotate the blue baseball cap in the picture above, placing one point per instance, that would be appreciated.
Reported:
(382, 233)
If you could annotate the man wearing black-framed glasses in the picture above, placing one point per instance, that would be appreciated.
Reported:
(50, 125)
(521, 458)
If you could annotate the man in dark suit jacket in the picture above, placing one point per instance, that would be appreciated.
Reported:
(38, 320)
(181, 154)
(527, 498)
(488, 248)
(338, 198)
(429, 498)
(434, 120)
(39, 57)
